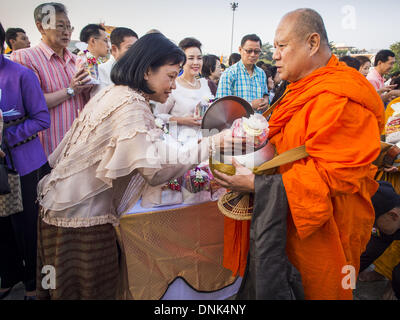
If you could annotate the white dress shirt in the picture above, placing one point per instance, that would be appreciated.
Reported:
(182, 102)
(104, 76)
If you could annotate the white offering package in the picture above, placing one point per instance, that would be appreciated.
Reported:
(256, 126)
(393, 128)
(89, 63)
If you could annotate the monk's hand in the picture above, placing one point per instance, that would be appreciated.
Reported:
(242, 181)
(2, 154)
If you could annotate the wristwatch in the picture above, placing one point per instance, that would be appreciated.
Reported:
(70, 92)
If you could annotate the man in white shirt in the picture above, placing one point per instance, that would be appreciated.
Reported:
(121, 40)
(95, 36)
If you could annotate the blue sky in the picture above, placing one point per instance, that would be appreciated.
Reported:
(361, 23)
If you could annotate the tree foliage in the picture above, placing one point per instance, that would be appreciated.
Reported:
(395, 47)
(266, 52)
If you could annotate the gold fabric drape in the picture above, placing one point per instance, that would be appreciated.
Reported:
(163, 245)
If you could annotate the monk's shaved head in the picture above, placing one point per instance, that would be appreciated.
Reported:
(301, 44)
(305, 22)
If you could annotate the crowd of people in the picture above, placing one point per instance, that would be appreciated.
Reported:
(78, 145)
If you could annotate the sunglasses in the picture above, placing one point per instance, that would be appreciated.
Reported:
(250, 51)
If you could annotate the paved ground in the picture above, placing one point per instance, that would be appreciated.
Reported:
(364, 291)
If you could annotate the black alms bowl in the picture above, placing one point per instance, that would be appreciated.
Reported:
(223, 112)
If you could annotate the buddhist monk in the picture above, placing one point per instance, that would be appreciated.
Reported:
(334, 111)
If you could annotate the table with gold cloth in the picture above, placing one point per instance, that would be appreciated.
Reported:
(171, 246)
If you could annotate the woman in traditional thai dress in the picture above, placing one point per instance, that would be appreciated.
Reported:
(107, 160)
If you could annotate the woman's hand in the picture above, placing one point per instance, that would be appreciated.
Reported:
(225, 143)
(2, 154)
(242, 181)
(187, 121)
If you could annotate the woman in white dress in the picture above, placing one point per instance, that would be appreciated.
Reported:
(180, 109)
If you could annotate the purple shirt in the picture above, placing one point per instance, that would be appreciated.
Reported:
(20, 90)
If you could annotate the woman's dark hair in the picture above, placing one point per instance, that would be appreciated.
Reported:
(189, 43)
(268, 73)
(351, 62)
(149, 52)
(234, 58)
(395, 74)
(2, 38)
(395, 81)
(273, 70)
(260, 64)
(209, 65)
(279, 91)
(363, 60)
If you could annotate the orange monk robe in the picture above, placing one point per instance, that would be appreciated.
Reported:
(236, 245)
(338, 116)
(335, 112)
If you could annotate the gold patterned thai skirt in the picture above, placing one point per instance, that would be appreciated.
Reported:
(82, 261)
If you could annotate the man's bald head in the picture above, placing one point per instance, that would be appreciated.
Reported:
(305, 22)
(301, 44)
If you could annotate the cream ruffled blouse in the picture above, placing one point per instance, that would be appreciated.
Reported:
(107, 160)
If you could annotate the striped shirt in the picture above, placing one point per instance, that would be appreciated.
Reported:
(54, 74)
(236, 81)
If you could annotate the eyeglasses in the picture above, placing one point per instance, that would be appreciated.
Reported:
(62, 28)
(250, 51)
